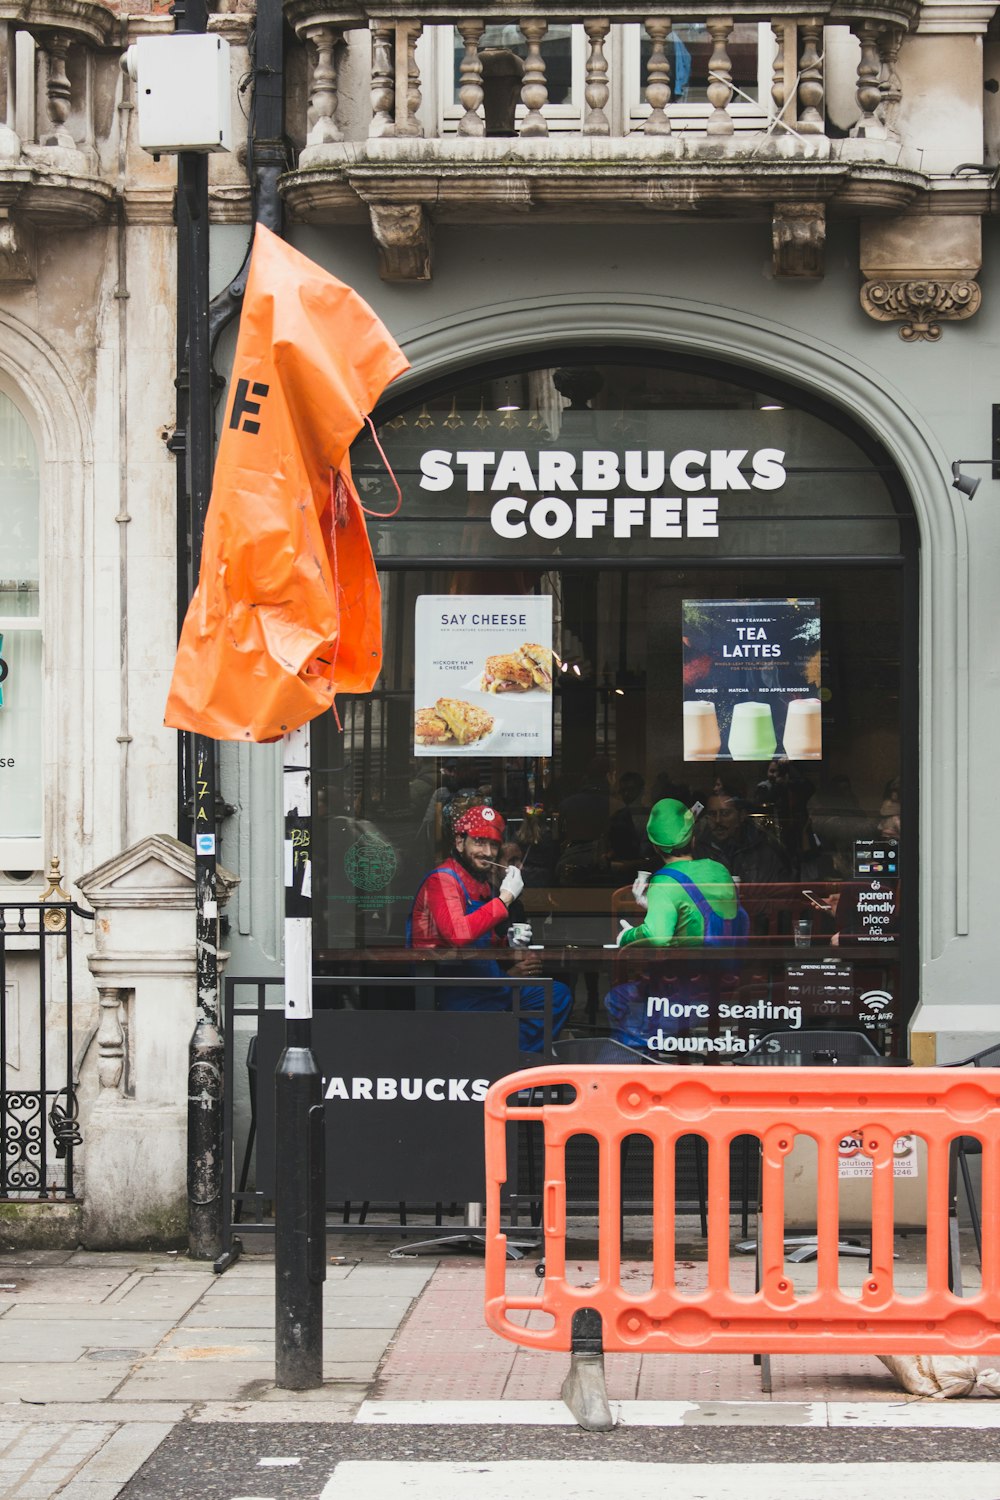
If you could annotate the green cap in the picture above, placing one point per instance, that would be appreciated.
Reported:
(670, 825)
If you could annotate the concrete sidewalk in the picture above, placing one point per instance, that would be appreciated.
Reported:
(101, 1354)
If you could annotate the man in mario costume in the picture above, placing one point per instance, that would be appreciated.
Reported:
(457, 907)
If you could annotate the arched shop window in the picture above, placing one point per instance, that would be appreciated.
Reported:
(20, 645)
(720, 575)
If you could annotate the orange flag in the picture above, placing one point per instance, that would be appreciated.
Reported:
(287, 611)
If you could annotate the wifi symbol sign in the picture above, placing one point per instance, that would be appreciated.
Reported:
(876, 1000)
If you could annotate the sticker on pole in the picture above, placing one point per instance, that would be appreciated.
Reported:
(204, 843)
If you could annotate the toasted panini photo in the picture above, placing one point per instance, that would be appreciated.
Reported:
(507, 674)
(466, 721)
(430, 729)
(538, 660)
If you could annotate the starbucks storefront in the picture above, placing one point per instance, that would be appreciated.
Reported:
(615, 578)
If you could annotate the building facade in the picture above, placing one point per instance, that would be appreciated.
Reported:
(699, 318)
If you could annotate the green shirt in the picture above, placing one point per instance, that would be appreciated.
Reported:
(673, 918)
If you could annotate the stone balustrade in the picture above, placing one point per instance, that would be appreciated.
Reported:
(465, 117)
(794, 109)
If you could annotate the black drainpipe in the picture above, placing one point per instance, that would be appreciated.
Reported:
(199, 325)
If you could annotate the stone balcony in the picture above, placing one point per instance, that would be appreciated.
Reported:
(50, 138)
(489, 144)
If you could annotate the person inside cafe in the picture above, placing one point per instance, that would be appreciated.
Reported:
(727, 834)
(678, 897)
(458, 906)
(678, 902)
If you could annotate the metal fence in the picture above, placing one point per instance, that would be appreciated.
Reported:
(253, 1006)
(251, 1002)
(39, 1129)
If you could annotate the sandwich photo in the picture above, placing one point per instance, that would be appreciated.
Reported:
(466, 721)
(538, 660)
(508, 673)
(430, 729)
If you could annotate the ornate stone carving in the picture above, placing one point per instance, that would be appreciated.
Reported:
(383, 120)
(403, 236)
(811, 84)
(596, 91)
(322, 118)
(869, 88)
(55, 921)
(58, 92)
(658, 77)
(920, 305)
(110, 1038)
(720, 76)
(798, 239)
(534, 88)
(471, 70)
(409, 125)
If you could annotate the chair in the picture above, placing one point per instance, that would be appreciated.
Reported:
(814, 1049)
(968, 1145)
(624, 907)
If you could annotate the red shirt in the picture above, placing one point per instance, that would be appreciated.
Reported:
(439, 910)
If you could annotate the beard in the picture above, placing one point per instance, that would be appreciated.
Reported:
(466, 863)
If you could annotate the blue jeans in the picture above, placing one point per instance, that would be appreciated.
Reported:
(502, 998)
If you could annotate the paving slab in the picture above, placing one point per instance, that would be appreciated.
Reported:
(83, 1312)
(35, 1257)
(396, 1281)
(49, 1342)
(124, 1452)
(258, 1312)
(75, 1381)
(79, 1411)
(63, 1284)
(86, 1489)
(162, 1296)
(195, 1380)
(344, 1343)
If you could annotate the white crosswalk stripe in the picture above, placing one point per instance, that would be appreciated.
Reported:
(541, 1480)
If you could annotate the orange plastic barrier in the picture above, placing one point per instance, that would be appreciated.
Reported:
(776, 1105)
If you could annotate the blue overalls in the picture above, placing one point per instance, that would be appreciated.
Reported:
(496, 997)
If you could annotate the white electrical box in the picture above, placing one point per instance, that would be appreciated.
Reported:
(183, 93)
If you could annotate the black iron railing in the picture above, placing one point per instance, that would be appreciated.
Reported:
(39, 1129)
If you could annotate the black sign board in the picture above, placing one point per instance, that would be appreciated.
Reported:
(825, 988)
(403, 1094)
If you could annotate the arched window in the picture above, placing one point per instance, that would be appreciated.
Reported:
(617, 579)
(20, 645)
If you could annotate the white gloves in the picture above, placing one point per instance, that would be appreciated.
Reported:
(626, 927)
(639, 885)
(512, 884)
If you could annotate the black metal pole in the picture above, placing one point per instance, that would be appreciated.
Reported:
(299, 1123)
(205, 1053)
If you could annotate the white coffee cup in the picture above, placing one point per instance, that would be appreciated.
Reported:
(519, 935)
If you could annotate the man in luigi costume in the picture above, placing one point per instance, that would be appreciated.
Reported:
(680, 895)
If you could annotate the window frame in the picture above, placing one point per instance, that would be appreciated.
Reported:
(26, 852)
